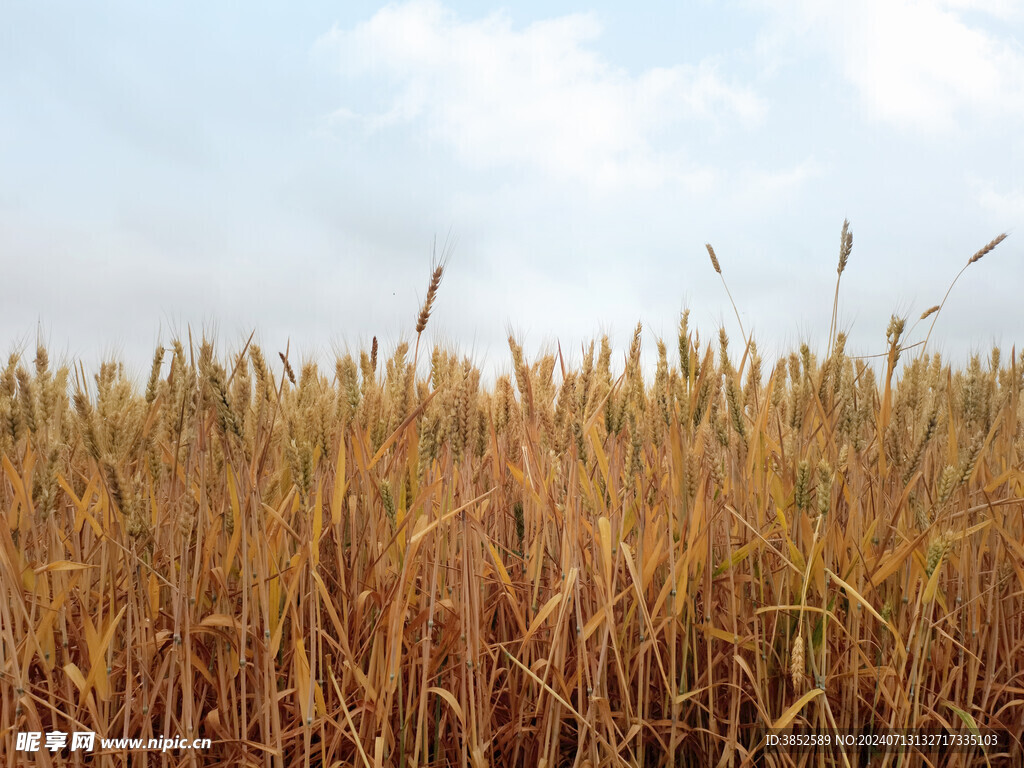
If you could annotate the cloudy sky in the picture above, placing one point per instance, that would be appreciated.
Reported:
(287, 168)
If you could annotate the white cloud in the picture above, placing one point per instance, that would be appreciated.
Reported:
(1002, 9)
(538, 96)
(1006, 206)
(766, 187)
(916, 64)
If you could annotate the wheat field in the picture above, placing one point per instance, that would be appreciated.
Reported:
(394, 563)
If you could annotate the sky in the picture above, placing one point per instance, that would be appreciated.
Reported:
(289, 169)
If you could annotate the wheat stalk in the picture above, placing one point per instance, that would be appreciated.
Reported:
(987, 248)
(718, 268)
(845, 247)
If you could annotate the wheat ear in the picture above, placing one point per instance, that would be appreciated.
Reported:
(428, 304)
